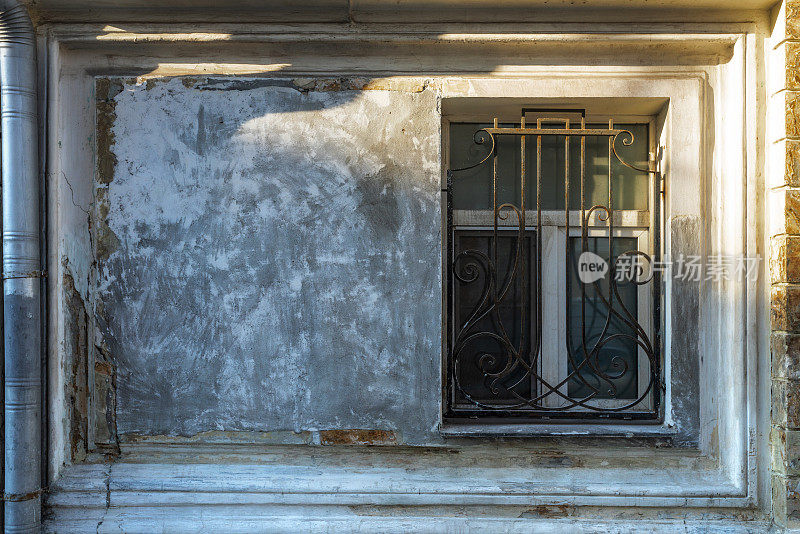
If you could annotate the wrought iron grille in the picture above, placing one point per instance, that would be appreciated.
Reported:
(606, 362)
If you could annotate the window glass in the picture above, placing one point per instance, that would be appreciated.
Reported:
(612, 368)
(472, 189)
(483, 354)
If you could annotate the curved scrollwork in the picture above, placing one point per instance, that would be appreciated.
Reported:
(603, 352)
(480, 137)
(627, 140)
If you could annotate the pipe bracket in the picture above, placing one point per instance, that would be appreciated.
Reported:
(21, 497)
(31, 274)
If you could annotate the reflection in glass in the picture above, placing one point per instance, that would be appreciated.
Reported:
(612, 368)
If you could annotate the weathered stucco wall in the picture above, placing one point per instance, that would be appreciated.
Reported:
(268, 258)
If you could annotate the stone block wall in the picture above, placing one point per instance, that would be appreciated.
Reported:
(783, 182)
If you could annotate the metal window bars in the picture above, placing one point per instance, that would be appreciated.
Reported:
(512, 372)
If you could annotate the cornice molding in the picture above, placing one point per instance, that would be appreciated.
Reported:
(402, 11)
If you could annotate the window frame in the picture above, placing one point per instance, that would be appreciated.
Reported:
(627, 223)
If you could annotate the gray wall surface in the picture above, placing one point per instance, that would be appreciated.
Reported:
(269, 258)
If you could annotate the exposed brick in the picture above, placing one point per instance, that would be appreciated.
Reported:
(785, 308)
(792, 451)
(792, 163)
(778, 407)
(792, 206)
(779, 498)
(785, 451)
(793, 19)
(777, 443)
(792, 114)
(792, 486)
(785, 355)
(785, 305)
(784, 211)
(784, 261)
(792, 404)
(786, 499)
(793, 66)
(786, 404)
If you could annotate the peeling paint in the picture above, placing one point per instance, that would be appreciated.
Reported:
(106, 242)
(105, 91)
(545, 511)
(239, 84)
(358, 437)
(105, 402)
(303, 85)
(220, 436)
(363, 84)
(77, 375)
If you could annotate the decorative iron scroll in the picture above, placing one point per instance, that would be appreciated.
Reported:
(513, 383)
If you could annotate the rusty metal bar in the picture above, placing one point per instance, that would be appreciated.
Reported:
(502, 366)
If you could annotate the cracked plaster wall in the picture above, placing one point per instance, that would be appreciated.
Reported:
(268, 256)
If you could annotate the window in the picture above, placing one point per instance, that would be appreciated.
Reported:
(553, 235)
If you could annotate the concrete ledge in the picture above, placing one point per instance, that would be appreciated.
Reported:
(315, 491)
(334, 519)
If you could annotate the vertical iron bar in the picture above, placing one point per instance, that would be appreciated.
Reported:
(610, 218)
(657, 373)
(567, 257)
(520, 248)
(536, 356)
(610, 214)
(584, 234)
(496, 210)
(451, 325)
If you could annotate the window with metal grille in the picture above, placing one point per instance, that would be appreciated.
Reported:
(553, 235)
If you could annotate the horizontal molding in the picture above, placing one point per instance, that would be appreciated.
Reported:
(666, 11)
(232, 519)
(142, 33)
(310, 494)
(240, 474)
(327, 49)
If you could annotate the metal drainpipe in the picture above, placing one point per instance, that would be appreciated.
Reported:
(21, 271)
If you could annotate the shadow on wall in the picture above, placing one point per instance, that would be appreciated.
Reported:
(268, 255)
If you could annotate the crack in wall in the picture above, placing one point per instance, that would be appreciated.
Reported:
(107, 481)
